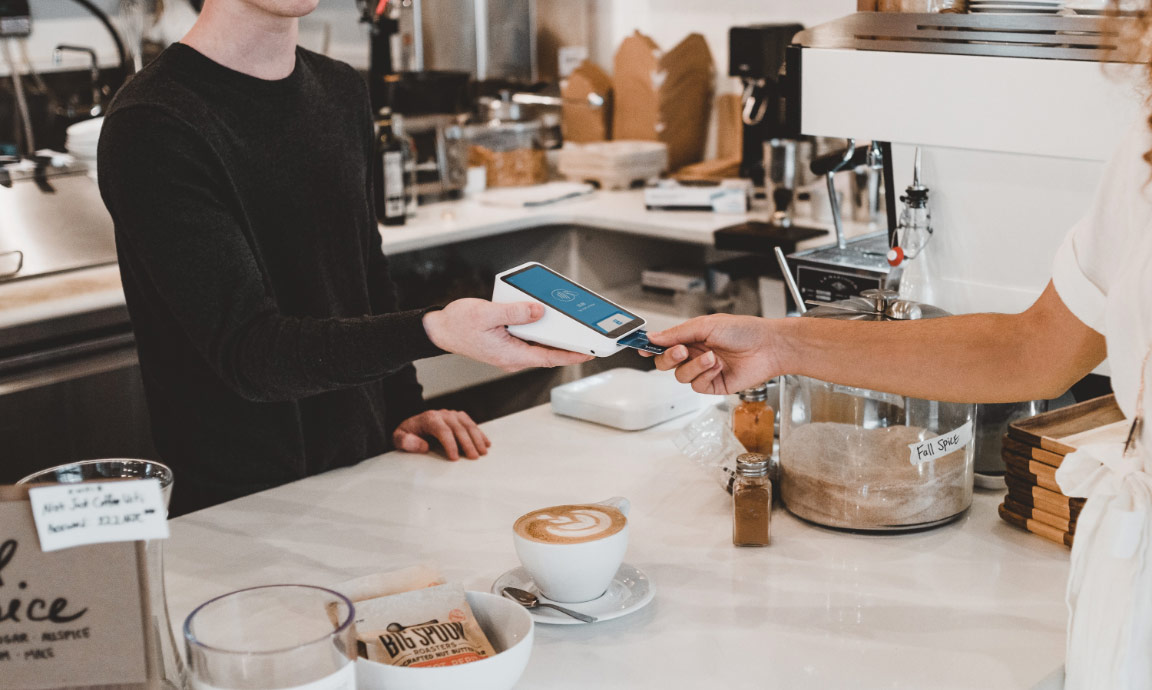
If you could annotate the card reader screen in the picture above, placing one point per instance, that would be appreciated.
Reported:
(574, 301)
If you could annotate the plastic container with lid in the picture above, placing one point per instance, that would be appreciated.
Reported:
(511, 152)
(860, 459)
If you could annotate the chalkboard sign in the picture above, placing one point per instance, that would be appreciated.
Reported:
(72, 618)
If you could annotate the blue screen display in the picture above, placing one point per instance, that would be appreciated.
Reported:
(571, 299)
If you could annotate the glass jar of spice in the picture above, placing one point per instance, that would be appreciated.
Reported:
(751, 501)
(754, 421)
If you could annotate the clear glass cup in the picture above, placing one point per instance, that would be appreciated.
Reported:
(272, 638)
(166, 670)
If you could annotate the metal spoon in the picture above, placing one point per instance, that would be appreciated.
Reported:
(530, 601)
(790, 281)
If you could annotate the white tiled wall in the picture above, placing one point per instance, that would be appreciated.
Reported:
(666, 21)
(669, 21)
(63, 21)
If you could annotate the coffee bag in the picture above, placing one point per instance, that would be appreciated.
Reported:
(427, 627)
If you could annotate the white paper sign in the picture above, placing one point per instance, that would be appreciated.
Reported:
(938, 447)
(68, 515)
(730, 201)
(570, 57)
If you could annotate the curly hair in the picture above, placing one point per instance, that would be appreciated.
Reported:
(1132, 22)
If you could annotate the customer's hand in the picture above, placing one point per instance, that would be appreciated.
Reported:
(454, 430)
(476, 329)
(719, 354)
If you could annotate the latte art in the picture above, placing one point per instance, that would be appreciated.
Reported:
(570, 524)
(576, 525)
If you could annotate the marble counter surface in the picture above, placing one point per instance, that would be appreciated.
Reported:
(975, 604)
(435, 225)
(624, 211)
(621, 211)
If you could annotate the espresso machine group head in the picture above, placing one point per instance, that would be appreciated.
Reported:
(756, 54)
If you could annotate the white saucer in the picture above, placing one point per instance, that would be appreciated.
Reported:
(630, 591)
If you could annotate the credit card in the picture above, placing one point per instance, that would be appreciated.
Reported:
(639, 341)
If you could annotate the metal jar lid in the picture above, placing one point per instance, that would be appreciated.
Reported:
(755, 393)
(752, 465)
(877, 305)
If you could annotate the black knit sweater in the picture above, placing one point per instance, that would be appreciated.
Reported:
(264, 315)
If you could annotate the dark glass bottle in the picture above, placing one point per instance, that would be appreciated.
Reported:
(388, 172)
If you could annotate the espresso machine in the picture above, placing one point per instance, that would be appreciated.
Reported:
(773, 156)
(428, 107)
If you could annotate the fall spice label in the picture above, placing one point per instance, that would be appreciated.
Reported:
(942, 445)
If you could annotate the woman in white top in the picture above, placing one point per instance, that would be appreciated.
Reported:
(1098, 304)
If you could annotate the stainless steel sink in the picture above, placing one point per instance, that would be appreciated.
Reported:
(52, 220)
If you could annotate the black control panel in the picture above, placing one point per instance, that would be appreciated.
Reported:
(15, 19)
(829, 274)
(834, 284)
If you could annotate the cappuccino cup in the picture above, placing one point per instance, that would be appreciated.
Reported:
(572, 551)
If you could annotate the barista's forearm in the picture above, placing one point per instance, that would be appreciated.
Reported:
(972, 358)
(980, 357)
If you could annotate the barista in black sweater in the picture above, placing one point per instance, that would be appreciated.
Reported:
(236, 169)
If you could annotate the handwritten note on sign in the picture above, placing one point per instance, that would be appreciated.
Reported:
(940, 446)
(70, 619)
(97, 513)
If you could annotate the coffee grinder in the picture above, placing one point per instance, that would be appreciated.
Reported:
(772, 155)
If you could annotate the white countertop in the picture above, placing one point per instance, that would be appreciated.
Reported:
(76, 292)
(455, 221)
(975, 604)
(621, 211)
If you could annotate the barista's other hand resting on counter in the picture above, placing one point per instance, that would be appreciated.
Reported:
(1038, 353)
(476, 329)
(454, 430)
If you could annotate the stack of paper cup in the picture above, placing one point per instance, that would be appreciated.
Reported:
(82, 139)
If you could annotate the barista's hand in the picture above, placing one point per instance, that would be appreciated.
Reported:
(453, 429)
(719, 354)
(475, 328)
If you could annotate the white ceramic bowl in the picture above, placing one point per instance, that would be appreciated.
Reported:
(509, 629)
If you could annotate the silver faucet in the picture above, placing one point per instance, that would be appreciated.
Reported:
(93, 73)
(592, 100)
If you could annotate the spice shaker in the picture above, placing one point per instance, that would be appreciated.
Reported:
(751, 501)
(753, 420)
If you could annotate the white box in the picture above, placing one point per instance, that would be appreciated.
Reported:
(672, 279)
(725, 196)
(628, 399)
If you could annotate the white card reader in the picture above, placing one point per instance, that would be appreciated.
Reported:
(575, 318)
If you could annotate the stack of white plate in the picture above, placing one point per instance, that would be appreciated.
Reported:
(1015, 6)
(82, 140)
(1100, 7)
(613, 164)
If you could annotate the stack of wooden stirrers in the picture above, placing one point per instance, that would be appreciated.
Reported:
(1033, 450)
